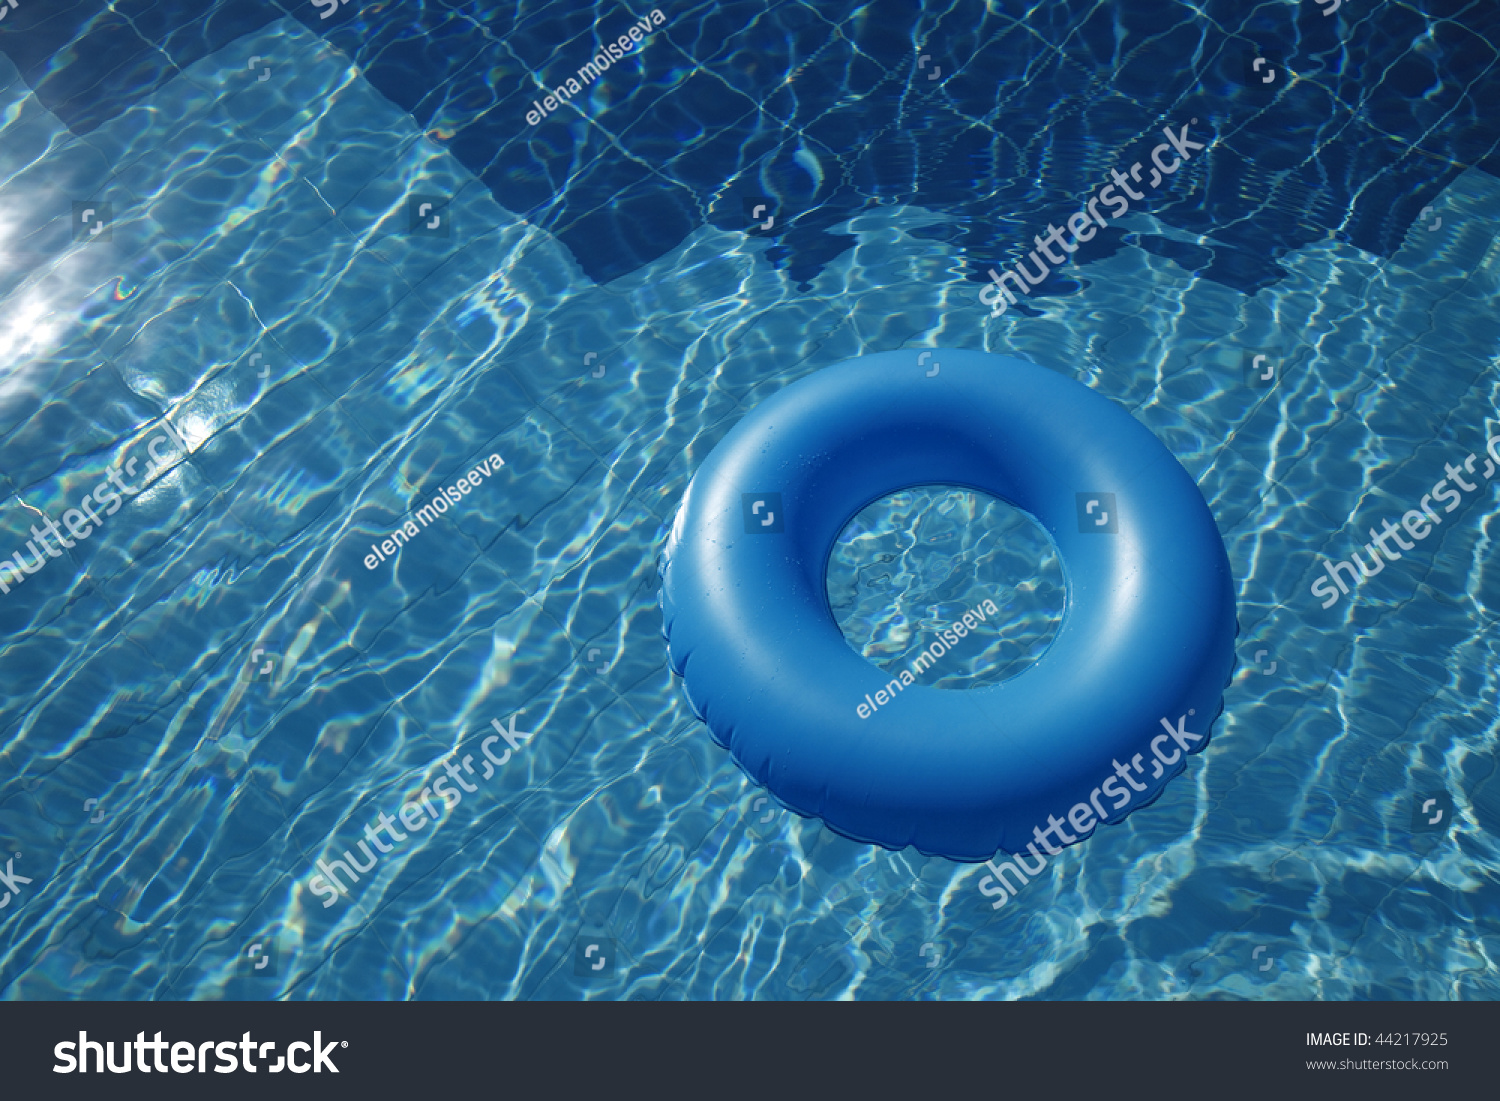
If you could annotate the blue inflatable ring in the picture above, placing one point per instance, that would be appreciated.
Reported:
(1132, 680)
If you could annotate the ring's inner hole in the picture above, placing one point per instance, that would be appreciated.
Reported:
(908, 567)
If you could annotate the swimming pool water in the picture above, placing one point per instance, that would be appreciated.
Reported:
(212, 692)
(911, 564)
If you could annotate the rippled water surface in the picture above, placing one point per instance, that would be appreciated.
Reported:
(214, 691)
(910, 565)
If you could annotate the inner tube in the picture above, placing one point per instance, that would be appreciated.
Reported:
(1129, 686)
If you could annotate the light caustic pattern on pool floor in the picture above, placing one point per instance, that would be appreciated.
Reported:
(325, 368)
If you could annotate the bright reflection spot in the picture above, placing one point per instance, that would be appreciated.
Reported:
(29, 327)
(35, 315)
(193, 430)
